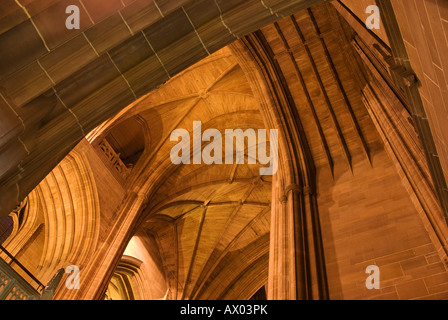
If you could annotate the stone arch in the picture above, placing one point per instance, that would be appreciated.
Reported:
(128, 282)
(294, 205)
(62, 220)
(77, 79)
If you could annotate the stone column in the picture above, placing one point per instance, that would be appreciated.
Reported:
(296, 261)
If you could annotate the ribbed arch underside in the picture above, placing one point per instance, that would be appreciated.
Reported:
(127, 281)
(62, 222)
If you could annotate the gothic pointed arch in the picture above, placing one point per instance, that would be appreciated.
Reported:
(61, 222)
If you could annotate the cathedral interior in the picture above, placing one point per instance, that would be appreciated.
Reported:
(89, 193)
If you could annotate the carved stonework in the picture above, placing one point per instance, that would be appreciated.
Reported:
(114, 160)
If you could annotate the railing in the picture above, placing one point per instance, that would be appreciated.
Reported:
(14, 287)
(39, 285)
(115, 161)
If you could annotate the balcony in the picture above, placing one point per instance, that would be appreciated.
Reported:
(14, 287)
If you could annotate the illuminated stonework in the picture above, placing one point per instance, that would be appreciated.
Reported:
(355, 210)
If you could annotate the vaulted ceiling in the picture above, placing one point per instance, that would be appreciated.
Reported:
(205, 217)
(212, 222)
(136, 71)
